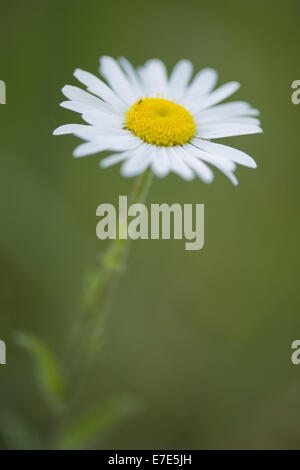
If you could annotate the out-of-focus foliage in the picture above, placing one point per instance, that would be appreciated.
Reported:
(49, 375)
(92, 426)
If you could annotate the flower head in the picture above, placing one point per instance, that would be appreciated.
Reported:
(150, 120)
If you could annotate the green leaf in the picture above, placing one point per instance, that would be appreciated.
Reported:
(48, 370)
(91, 426)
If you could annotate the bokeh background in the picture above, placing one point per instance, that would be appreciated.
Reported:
(201, 340)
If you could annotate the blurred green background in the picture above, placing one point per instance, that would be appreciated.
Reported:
(202, 340)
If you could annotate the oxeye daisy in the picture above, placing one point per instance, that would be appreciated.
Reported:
(150, 120)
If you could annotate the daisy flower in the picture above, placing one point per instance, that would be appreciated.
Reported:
(148, 119)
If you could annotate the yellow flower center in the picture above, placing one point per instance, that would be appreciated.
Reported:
(160, 122)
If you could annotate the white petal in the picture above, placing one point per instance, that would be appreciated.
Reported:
(68, 129)
(177, 163)
(236, 120)
(225, 166)
(160, 163)
(107, 143)
(132, 76)
(229, 153)
(214, 131)
(138, 161)
(122, 140)
(114, 75)
(179, 79)
(88, 148)
(76, 94)
(113, 159)
(202, 84)
(229, 173)
(200, 168)
(226, 110)
(82, 107)
(154, 77)
(208, 157)
(77, 106)
(216, 96)
(98, 87)
(90, 133)
(96, 117)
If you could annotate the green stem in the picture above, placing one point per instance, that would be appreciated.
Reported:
(85, 341)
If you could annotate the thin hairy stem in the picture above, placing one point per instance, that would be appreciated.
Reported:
(86, 338)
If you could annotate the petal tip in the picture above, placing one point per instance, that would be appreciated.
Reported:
(64, 90)
(77, 71)
(76, 153)
(102, 163)
(58, 131)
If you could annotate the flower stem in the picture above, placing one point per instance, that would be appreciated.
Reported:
(99, 288)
